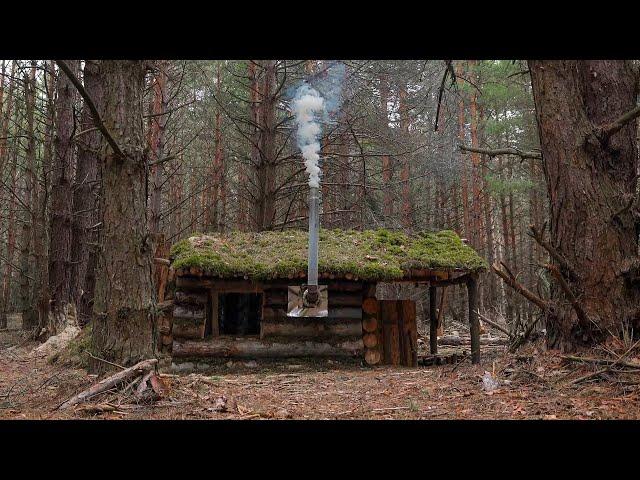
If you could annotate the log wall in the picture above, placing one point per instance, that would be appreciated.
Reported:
(343, 323)
(190, 314)
(339, 334)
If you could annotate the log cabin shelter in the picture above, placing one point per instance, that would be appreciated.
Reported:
(232, 294)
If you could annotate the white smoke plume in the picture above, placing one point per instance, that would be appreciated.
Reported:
(307, 104)
(310, 106)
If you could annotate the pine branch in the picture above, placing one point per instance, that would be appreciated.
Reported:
(605, 132)
(501, 151)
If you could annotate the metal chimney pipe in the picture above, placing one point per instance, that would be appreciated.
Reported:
(314, 227)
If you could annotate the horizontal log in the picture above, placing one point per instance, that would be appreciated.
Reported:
(298, 327)
(191, 298)
(189, 312)
(369, 324)
(186, 330)
(339, 313)
(372, 356)
(370, 340)
(253, 348)
(222, 284)
(184, 280)
(342, 299)
(370, 306)
(276, 297)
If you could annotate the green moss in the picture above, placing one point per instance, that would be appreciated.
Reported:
(370, 254)
(75, 353)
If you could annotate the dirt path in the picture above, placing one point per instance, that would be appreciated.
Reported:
(529, 387)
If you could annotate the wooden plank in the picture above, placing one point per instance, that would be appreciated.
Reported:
(409, 333)
(474, 321)
(213, 313)
(389, 312)
(433, 321)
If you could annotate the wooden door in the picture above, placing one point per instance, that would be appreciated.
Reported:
(399, 332)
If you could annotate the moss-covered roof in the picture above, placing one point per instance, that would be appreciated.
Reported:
(368, 255)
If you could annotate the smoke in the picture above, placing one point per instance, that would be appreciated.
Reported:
(314, 103)
(306, 105)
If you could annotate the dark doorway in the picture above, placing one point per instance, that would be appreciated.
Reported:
(239, 313)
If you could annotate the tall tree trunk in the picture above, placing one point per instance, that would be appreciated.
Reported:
(405, 174)
(266, 168)
(124, 328)
(61, 203)
(11, 242)
(590, 180)
(218, 166)
(387, 162)
(31, 201)
(476, 220)
(85, 205)
(157, 127)
(464, 182)
(7, 111)
(40, 237)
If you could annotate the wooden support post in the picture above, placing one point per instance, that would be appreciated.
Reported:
(474, 322)
(433, 320)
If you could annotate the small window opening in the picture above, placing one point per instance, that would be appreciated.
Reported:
(239, 313)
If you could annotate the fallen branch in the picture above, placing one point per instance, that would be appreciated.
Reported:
(600, 361)
(453, 340)
(110, 382)
(607, 368)
(555, 271)
(495, 325)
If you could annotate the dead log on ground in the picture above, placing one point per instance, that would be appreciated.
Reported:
(110, 382)
(453, 340)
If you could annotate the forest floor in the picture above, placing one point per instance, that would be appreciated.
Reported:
(534, 384)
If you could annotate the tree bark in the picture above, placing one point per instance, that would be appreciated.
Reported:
(85, 205)
(589, 181)
(157, 127)
(124, 329)
(61, 202)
